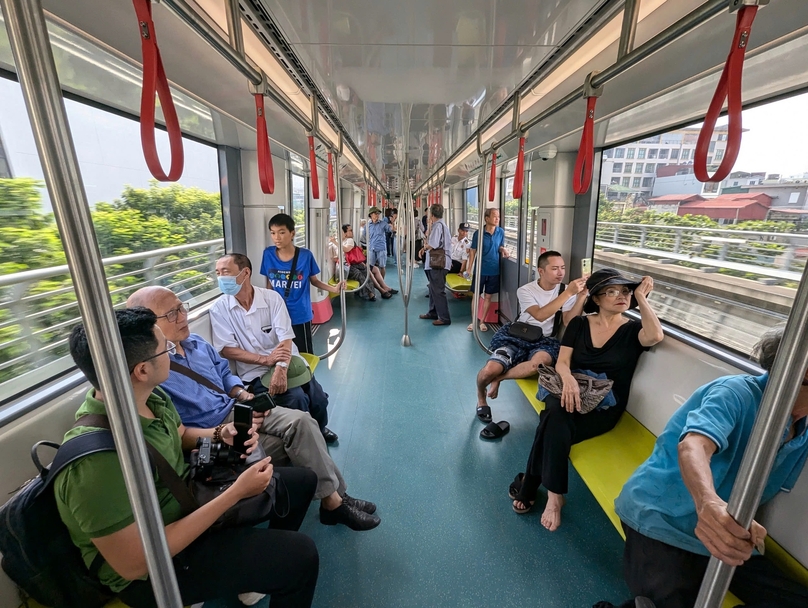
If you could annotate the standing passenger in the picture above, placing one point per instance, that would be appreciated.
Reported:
(439, 238)
(377, 229)
(493, 246)
(276, 266)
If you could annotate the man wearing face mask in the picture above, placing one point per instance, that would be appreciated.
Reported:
(251, 327)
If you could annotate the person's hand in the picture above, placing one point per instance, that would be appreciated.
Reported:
(575, 287)
(279, 381)
(246, 396)
(258, 418)
(724, 537)
(254, 480)
(570, 394)
(229, 432)
(505, 253)
(281, 353)
(644, 288)
(341, 286)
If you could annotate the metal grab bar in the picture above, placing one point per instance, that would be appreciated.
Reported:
(407, 207)
(478, 258)
(28, 35)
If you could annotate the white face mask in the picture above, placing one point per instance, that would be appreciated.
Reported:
(229, 285)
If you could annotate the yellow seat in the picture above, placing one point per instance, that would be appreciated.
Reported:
(312, 360)
(456, 282)
(350, 285)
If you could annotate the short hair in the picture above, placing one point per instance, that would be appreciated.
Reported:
(436, 210)
(282, 219)
(544, 258)
(136, 327)
(766, 349)
(240, 260)
(345, 227)
(395, 210)
(489, 211)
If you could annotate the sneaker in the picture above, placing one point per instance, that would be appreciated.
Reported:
(362, 505)
(250, 599)
(350, 516)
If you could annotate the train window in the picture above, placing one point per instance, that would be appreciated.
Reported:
(164, 235)
(510, 218)
(472, 207)
(726, 257)
(297, 204)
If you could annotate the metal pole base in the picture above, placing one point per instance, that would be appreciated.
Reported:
(405, 340)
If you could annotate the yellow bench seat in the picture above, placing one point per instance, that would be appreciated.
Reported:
(350, 285)
(457, 282)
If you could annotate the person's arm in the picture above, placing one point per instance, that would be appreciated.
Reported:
(472, 251)
(123, 550)
(570, 393)
(578, 308)
(651, 332)
(325, 286)
(235, 353)
(542, 313)
(716, 528)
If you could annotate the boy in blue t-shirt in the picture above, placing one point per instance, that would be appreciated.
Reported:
(276, 266)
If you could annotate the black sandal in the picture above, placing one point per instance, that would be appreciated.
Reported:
(484, 413)
(516, 487)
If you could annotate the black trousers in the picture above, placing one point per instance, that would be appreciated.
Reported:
(438, 305)
(456, 266)
(278, 561)
(557, 432)
(671, 577)
(303, 337)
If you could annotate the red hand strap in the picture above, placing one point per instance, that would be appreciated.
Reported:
(266, 172)
(729, 88)
(315, 179)
(582, 174)
(519, 178)
(493, 178)
(332, 190)
(155, 81)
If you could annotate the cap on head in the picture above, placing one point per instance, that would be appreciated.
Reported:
(463, 226)
(374, 210)
(600, 280)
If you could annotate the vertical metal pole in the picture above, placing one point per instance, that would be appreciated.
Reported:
(781, 391)
(234, 26)
(478, 257)
(341, 260)
(533, 230)
(631, 13)
(405, 273)
(36, 69)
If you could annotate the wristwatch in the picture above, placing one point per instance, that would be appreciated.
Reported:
(282, 364)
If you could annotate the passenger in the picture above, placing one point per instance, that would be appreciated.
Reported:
(333, 258)
(674, 507)
(377, 247)
(604, 343)
(363, 237)
(439, 238)
(276, 266)
(209, 564)
(388, 236)
(286, 435)
(252, 327)
(357, 271)
(460, 249)
(544, 305)
(493, 247)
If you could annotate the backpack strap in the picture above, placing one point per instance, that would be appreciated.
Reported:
(77, 448)
(558, 319)
(291, 274)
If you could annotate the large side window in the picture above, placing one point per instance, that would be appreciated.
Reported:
(149, 234)
(472, 207)
(298, 207)
(726, 257)
(510, 219)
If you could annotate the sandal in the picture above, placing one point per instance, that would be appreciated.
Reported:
(483, 327)
(495, 430)
(516, 487)
(528, 506)
(484, 413)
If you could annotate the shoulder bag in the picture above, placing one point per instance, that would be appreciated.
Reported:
(592, 390)
(533, 333)
(355, 256)
(437, 257)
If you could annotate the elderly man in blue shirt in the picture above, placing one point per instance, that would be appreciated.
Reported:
(287, 435)
(674, 508)
(377, 229)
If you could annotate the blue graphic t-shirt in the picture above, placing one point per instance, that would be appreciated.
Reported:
(277, 271)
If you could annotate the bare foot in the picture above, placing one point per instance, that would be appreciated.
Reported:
(551, 518)
(493, 389)
(522, 507)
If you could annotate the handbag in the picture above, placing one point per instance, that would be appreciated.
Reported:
(355, 256)
(592, 390)
(525, 331)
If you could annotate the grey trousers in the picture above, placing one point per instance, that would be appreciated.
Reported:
(293, 437)
(438, 305)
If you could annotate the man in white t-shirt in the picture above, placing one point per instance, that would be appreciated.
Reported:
(460, 249)
(543, 304)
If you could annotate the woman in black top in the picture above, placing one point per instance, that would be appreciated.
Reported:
(604, 342)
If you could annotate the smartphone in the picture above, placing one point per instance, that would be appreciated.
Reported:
(586, 267)
(262, 402)
(242, 418)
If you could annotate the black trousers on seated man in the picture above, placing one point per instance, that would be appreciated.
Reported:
(309, 397)
(671, 577)
(279, 561)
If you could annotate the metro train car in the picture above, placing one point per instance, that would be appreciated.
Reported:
(657, 146)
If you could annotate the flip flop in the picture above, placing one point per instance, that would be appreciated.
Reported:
(495, 430)
(484, 413)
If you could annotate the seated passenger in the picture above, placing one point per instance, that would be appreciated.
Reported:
(252, 327)
(460, 249)
(604, 342)
(357, 271)
(286, 435)
(94, 505)
(678, 497)
(542, 304)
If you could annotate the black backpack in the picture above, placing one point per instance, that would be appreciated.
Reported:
(38, 554)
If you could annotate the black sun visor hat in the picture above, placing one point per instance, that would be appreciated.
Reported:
(599, 280)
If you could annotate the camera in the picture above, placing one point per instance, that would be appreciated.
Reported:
(207, 455)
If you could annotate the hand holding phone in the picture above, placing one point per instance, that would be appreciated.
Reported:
(242, 418)
(586, 267)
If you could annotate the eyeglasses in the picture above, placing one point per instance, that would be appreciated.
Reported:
(613, 293)
(171, 349)
(172, 315)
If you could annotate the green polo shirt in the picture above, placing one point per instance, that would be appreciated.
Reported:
(91, 495)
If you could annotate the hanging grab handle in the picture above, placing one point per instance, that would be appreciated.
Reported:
(519, 178)
(332, 189)
(582, 174)
(729, 88)
(315, 179)
(493, 178)
(266, 172)
(155, 82)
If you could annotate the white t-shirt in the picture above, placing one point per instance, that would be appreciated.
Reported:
(258, 330)
(460, 248)
(533, 295)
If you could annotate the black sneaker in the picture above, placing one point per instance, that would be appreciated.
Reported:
(349, 516)
(362, 505)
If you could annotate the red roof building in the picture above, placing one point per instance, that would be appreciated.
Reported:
(675, 199)
(735, 207)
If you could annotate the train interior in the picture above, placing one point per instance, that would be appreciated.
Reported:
(411, 93)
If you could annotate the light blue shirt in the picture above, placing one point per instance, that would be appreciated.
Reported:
(376, 231)
(655, 501)
(440, 238)
(200, 407)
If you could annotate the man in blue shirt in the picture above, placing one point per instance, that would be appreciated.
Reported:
(674, 508)
(493, 246)
(287, 435)
(377, 229)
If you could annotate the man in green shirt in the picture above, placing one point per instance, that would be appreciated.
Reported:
(94, 505)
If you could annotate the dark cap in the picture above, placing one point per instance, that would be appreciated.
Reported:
(463, 226)
(599, 280)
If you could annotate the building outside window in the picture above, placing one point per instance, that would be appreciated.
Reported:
(686, 154)
(652, 153)
(647, 182)
(626, 181)
(620, 153)
(663, 153)
(650, 167)
(675, 154)
(629, 168)
(618, 167)
(630, 153)
(636, 182)
(641, 153)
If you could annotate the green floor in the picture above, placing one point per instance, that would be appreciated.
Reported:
(409, 441)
